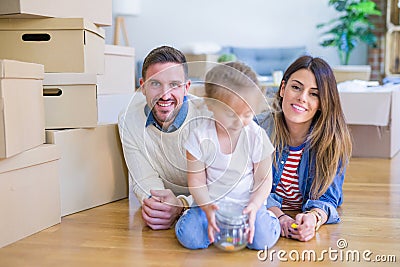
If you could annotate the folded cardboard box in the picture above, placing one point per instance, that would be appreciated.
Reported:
(198, 65)
(352, 72)
(29, 193)
(92, 167)
(97, 11)
(392, 52)
(21, 107)
(374, 120)
(119, 72)
(61, 45)
(110, 105)
(70, 100)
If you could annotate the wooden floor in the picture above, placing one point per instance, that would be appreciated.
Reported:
(114, 235)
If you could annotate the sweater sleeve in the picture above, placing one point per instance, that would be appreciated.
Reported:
(142, 175)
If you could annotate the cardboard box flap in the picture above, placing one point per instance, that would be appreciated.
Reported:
(119, 50)
(11, 69)
(354, 68)
(97, 11)
(8, 7)
(40, 24)
(366, 108)
(69, 78)
(14, 7)
(41, 154)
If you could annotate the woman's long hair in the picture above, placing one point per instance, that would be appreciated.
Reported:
(329, 137)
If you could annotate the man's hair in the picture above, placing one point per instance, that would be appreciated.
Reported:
(164, 54)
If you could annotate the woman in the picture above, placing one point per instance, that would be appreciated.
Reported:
(313, 147)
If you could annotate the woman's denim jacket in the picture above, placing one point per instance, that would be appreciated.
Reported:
(328, 202)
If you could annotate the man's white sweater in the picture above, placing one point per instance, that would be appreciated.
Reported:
(155, 159)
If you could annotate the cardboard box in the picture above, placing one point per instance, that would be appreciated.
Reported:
(70, 100)
(392, 52)
(119, 72)
(61, 45)
(92, 167)
(109, 106)
(197, 89)
(21, 107)
(352, 72)
(29, 193)
(198, 65)
(97, 11)
(374, 120)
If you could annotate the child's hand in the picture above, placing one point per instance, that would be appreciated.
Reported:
(212, 225)
(251, 211)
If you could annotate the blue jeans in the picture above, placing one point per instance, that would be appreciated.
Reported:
(191, 230)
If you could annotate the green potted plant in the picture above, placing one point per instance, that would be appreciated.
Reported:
(226, 58)
(351, 27)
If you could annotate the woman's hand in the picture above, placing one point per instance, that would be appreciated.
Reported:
(286, 225)
(251, 211)
(210, 209)
(305, 230)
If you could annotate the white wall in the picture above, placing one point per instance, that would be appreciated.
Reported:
(250, 23)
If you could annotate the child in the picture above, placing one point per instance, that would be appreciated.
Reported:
(229, 158)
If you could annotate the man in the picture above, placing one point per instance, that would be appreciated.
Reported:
(153, 130)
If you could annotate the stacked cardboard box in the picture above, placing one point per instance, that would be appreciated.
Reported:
(29, 193)
(119, 70)
(29, 178)
(61, 102)
(97, 11)
(116, 86)
(92, 167)
(200, 64)
(61, 45)
(375, 132)
(22, 110)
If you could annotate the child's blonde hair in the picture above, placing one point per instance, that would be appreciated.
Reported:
(230, 79)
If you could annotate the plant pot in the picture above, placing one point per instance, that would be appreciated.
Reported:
(352, 72)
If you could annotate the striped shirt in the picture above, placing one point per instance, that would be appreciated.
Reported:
(288, 187)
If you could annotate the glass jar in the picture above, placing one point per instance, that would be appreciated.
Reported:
(233, 225)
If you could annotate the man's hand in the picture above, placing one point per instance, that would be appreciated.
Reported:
(161, 210)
